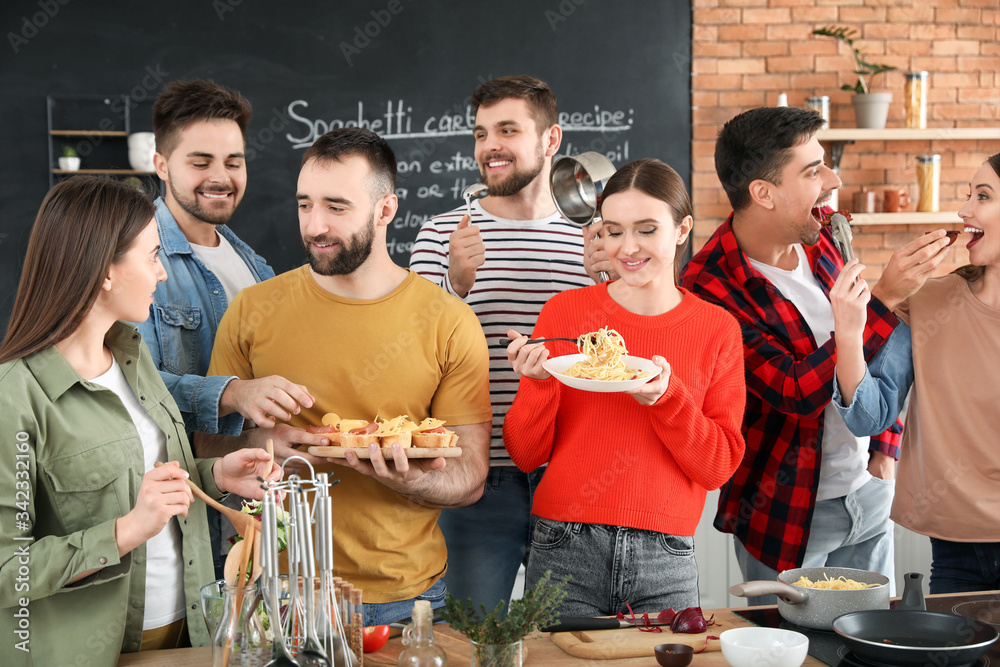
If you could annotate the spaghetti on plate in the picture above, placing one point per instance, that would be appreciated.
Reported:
(605, 350)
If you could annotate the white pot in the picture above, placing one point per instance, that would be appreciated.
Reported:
(69, 163)
(141, 147)
(872, 110)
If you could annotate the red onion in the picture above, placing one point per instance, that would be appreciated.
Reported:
(690, 621)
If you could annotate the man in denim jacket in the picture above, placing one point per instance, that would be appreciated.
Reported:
(200, 130)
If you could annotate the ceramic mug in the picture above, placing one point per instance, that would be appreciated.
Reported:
(896, 200)
(864, 201)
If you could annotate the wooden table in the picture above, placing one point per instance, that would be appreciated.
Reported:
(539, 652)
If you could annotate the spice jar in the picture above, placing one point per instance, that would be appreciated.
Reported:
(916, 99)
(821, 105)
(928, 183)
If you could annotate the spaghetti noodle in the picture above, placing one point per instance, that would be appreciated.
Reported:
(605, 350)
(839, 584)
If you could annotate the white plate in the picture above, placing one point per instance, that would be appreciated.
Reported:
(558, 365)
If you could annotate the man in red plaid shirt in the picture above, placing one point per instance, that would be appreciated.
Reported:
(808, 492)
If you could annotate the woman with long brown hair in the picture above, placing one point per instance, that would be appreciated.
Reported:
(100, 552)
(946, 350)
(628, 472)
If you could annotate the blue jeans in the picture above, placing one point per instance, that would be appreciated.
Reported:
(962, 567)
(390, 612)
(850, 531)
(612, 565)
(488, 541)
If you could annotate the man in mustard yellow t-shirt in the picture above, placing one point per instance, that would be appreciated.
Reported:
(368, 338)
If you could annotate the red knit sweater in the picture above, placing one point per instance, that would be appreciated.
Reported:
(613, 461)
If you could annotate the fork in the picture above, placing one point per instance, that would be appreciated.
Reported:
(507, 341)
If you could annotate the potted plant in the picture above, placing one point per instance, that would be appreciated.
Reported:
(69, 161)
(870, 109)
(496, 639)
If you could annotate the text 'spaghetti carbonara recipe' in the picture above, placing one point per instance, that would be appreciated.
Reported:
(606, 353)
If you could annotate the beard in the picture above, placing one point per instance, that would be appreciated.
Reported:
(191, 206)
(352, 253)
(516, 180)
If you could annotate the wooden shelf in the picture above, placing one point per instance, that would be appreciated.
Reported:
(103, 171)
(906, 218)
(88, 133)
(910, 134)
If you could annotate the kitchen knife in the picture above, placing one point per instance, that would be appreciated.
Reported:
(583, 623)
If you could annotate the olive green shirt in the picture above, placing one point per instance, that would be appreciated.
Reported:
(71, 464)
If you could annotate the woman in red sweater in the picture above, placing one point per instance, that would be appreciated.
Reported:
(628, 472)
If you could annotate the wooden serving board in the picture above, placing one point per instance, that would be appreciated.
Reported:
(633, 643)
(411, 452)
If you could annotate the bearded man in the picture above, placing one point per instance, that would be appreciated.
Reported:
(513, 254)
(370, 338)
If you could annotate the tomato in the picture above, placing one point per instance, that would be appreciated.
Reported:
(375, 638)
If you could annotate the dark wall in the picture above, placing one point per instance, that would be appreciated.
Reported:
(406, 68)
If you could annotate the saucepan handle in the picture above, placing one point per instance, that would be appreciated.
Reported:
(752, 589)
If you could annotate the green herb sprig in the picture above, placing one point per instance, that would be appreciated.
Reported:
(538, 608)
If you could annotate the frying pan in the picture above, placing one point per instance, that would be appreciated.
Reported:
(912, 636)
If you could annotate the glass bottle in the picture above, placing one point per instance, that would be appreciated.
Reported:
(915, 97)
(929, 183)
(240, 638)
(418, 639)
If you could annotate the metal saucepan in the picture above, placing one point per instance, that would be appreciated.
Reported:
(578, 185)
(815, 607)
(911, 636)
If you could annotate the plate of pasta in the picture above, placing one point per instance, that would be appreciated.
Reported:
(603, 365)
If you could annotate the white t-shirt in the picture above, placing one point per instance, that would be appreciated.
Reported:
(164, 565)
(226, 264)
(844, 464)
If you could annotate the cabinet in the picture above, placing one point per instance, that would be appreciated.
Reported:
(840, 137)
(97, 127)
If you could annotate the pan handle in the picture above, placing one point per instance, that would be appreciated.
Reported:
(913, 592)
(786, 593)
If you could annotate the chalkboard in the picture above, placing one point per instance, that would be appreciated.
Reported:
(404, 68)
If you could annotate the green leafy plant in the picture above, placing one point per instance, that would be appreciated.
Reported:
(862, 68)
(135, 182)
(68, 151)
(538, 608)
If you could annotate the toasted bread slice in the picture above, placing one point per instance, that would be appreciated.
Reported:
(435, 439)
(362, 436)
(355, 440)
(403, 439)
(329, 431)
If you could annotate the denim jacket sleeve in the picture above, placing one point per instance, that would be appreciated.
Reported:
(879, 398)
(197, 396)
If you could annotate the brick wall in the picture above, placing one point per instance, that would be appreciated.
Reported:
(746, 52)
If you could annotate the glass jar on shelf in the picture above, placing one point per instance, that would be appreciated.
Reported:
(915, 97)
(821, 105)
(929, 183)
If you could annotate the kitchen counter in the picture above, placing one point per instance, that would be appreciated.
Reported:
(539, 652)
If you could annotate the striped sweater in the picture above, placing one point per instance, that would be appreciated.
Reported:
(527, 262)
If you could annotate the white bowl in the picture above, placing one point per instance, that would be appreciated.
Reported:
(558, 365)
(764, 647)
